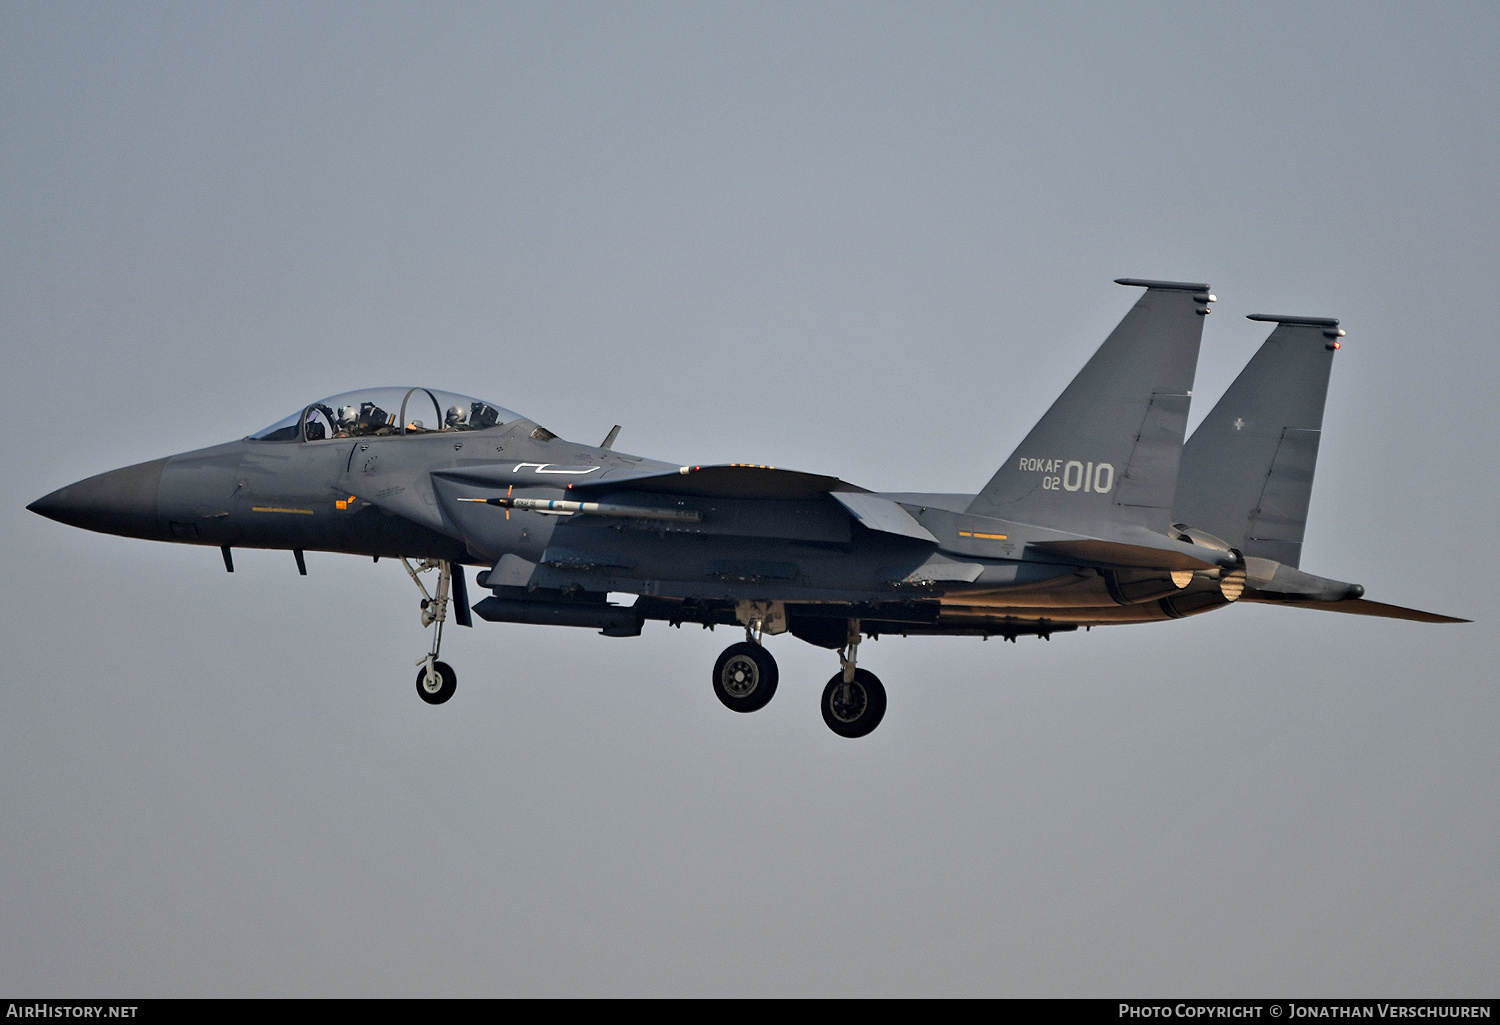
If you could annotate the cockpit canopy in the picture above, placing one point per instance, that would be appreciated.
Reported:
(387, 411)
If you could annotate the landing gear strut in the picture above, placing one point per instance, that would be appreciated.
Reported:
(745, 674)
(854, 700)
(436, 681)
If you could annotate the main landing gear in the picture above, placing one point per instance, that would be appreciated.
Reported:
(745, 678)
(745, 674)
(854, 700)
(436, 681)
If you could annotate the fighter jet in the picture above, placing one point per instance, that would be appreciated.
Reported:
(1101, 515)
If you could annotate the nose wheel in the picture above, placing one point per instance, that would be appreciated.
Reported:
(436, 682)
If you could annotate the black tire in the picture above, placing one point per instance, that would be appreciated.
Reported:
(858, 712)
(449, 684)
(745, 677)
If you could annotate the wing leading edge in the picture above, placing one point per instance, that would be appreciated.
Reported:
(726, 480)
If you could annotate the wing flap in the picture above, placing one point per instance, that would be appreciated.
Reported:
(883, 515)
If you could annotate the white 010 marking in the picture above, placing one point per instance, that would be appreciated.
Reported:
(1074, 475)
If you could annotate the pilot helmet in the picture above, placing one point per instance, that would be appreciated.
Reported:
(348, 416)
(456, 416)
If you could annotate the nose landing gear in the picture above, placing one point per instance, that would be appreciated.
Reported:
(436, 681)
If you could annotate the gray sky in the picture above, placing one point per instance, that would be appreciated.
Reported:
(869, 240)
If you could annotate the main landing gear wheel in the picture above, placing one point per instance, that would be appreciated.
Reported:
(437, 687)
(745, 677)
(854, 709)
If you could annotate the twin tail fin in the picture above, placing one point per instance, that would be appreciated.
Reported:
(1247, 471)
(1106, 455)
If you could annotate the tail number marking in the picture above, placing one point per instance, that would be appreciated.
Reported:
(1072, 475)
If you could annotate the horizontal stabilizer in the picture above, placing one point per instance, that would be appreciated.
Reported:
(729, 480)
(1357, 607)
(1277, 582)
(1278, 318)
(1174, 286)
(882, 514)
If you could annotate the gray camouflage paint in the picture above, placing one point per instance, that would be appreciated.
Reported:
(1078, 528)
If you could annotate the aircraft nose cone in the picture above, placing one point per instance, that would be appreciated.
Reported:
(118, 502)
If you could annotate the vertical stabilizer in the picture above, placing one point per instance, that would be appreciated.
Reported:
(1106, 454)
(1247, 472)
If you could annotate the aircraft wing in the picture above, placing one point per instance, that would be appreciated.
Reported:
(739, 480)
(1357, 607)
(727, 480)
